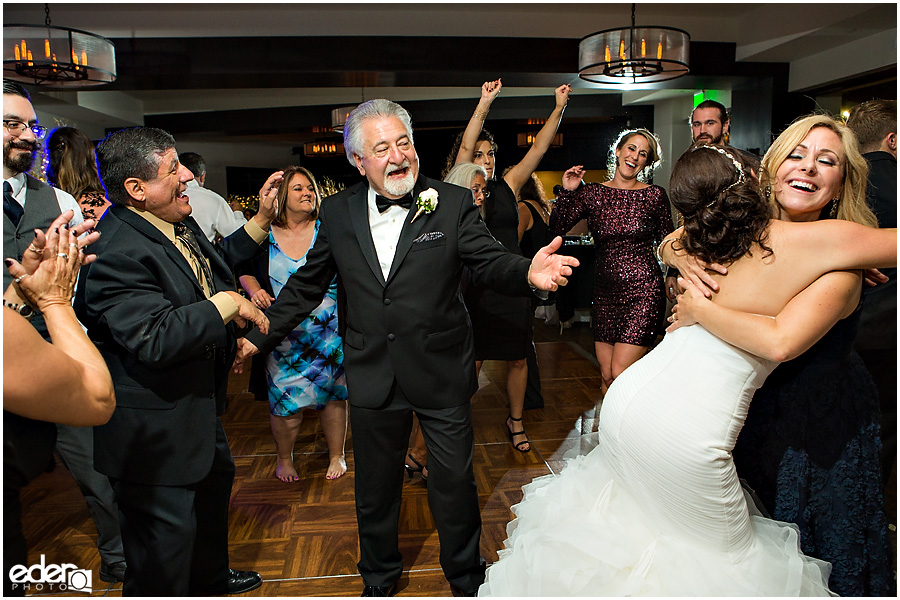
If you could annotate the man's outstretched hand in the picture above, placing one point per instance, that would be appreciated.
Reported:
(548, 270)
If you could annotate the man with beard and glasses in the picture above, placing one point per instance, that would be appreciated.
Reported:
(709, 122)
(398, 243)
(29, 204)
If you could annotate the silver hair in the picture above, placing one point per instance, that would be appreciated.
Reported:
(464, 174)
(377, 108)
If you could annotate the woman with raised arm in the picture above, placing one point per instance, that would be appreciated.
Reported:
(501, 323)
(627, 217)
(306, 370)
(657, 508)
(810, 445)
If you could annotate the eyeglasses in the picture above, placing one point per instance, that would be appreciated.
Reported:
(18, 128)
(485, 192)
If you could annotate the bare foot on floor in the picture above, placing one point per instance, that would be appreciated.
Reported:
(285, 471)
(337, 466)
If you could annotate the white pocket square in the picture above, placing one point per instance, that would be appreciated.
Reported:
(428, 237)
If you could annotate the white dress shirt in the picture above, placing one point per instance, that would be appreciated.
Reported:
(212, 212)
(386, 228)
(65, 199)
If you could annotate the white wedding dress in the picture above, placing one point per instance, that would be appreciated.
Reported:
(656, 509)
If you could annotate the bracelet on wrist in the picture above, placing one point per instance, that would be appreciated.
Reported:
(660, 247)
(23, 309)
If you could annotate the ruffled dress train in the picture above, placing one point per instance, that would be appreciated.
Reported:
(656, 509)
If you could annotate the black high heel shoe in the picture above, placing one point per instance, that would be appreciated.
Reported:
(412, 470)
(513, 434)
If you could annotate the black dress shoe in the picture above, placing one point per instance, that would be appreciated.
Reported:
(242, 581)
(113, 572)
(461, 594)
(380, 591)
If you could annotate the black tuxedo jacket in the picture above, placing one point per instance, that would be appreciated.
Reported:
(412, 326)
(167, 348)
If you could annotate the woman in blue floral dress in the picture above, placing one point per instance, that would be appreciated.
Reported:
(306, 370)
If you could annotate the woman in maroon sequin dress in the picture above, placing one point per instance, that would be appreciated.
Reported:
(627, 219)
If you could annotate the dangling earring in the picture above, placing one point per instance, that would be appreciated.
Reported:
(768, 192)
(834, 207)
(617, 161)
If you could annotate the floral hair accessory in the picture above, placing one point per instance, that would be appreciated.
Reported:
(426, 203)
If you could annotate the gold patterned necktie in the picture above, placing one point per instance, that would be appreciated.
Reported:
(201, 265)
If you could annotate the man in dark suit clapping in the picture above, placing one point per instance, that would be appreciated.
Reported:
(399, 242)
(160, 304)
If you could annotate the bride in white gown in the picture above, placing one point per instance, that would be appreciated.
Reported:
(656, 509)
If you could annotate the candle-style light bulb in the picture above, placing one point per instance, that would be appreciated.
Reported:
(606, 57)
(622, 49)
(83, 58)
(643, 47)
(46, 48)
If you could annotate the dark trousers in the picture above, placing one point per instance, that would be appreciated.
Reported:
(379, 446)
(75, 446)
(176, 537)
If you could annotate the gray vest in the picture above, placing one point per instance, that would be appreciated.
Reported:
(41, 207)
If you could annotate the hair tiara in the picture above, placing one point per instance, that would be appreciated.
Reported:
(734, 161)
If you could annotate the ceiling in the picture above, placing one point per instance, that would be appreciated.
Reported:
(227, 69)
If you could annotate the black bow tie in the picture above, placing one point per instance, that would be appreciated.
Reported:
(383, 203)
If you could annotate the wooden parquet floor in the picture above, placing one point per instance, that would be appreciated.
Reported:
(302, 537)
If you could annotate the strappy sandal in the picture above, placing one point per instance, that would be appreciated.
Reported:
(412, 470)
(513, 434)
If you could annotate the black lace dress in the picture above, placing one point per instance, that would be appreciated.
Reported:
(810, 448)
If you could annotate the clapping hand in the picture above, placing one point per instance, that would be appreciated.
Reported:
(49, 274)
(38, 250)
(548, 271)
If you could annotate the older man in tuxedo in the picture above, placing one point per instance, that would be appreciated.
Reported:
(160, 304)
(399, 242)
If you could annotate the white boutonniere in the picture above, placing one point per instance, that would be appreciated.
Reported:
(426, 203)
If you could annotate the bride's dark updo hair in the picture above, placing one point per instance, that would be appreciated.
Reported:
(723, 212)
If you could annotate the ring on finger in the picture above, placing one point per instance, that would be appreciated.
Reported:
(20, 278)
(62, 255)
(35, 249)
